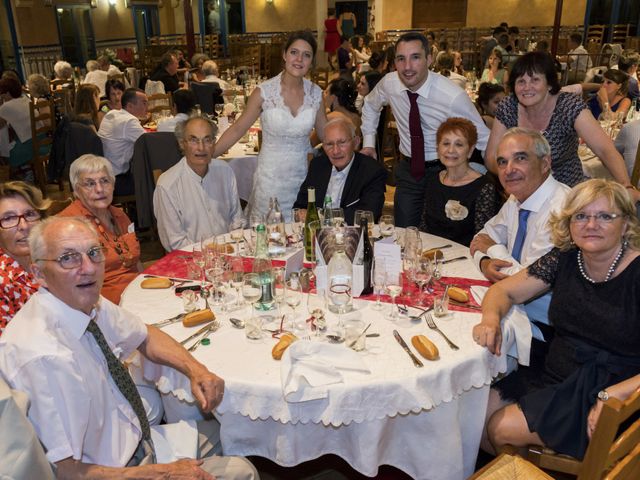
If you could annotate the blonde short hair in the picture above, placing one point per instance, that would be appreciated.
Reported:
(89, 163)
(582, 195)
(32, 195)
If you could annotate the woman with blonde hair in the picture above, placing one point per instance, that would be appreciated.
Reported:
(87, 107)
(594, 275)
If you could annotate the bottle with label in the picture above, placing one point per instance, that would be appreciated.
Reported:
(327, 211)
(263, 268)
(340, 278)
(276, 235)
(367, 257)
(309, 233)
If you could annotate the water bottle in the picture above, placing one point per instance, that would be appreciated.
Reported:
(276, 235)
(339, 276)
(311, 217)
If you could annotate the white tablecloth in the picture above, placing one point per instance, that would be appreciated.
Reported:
(243, 161)
(424, 421)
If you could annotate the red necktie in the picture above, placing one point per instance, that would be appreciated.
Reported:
(417, 138)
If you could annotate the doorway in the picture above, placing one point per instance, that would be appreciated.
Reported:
(75, 31)
(146, 24)
(8, 52)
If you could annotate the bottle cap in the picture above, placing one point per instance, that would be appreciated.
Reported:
(260, 228)
(205, 341)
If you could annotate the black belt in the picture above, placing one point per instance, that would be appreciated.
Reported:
(427, 163)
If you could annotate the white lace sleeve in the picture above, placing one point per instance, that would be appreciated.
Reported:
(270, 92)
(313, 94)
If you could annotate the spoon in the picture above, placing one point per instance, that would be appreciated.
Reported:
(236, 322)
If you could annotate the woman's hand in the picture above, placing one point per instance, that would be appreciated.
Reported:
(488, 334)
(592, 419)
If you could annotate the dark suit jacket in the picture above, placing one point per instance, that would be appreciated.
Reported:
(363, 189)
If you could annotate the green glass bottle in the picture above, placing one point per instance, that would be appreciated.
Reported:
(263, 268)
(312, 216)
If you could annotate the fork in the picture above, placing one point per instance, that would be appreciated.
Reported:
(211, 329)
(432, 325)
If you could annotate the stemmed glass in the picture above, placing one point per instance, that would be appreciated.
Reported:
(387, 226)
(297, 223)
(216, 276)
(422, 275)
(293, 298)
(337, 216)
(393, 285)
(316, 306)
(251, 290)
(237, 234)
(237, 274)
(200, 260)
(362, 214)
(278, 286)
(378, 277)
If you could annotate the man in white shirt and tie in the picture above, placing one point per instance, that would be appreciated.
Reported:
(518, 235)
(420, 101)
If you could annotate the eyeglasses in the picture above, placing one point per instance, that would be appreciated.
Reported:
(601, 218)
(12, 221)
(339, 143)
(71, 260)
(91, 184)
(195, 141)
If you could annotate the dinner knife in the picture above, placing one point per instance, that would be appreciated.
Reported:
(169, 321)
(198, 333)
(448, 245)
(406, 348)
(454, 259)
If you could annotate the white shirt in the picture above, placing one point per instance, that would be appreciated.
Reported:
(16, 113)
(336, 183)
(212, 78)
(438, 100)
(169, 124)
(580, 60)
(504, 226)
(189, 208)
(76, 408)
(118, 131)
(97, 78)
(459, 80)
(627, 143)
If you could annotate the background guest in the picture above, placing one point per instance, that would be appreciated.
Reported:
(93, 182)
(489, 96)
(627, 143)
(345, 59)
(495, 71)
(39, 87)
(347, 22)
(445, 66)
(458, 200)
(14, 113)
(339, 99)
(594, 275)
(114, 89)
(167, 72)
(613, 93)
(211, 74)
(536, 102)
(196, 73)
(360, 53)
(63, 71)
(21, 207)
(184, 102)
(367, 82)
(331, 36)
(87, 104)
(628, 63)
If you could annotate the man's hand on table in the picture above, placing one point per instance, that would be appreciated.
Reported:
(488, 334)
(490, 268)
(207, 388)
(481, 243)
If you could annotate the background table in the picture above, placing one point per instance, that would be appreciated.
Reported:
(424, 421)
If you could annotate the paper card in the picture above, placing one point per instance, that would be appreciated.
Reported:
(390, 251)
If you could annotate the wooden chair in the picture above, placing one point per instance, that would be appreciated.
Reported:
(510, 467)
(160, 104)
(635, 173)
(43, 126)
(606, 447)
(619, 33)
(58, 205)
(320, 76)
(64, 98)
(595, 33)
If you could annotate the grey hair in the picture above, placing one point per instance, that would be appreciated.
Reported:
(63, 70)
(38, 237)
(198, 57)
(344, 121)
(210, 68)
(540, 143)
(89, 163)
(92, 65)
(182, 126)
(38, 85)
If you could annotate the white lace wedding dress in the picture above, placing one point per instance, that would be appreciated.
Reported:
(282, 162)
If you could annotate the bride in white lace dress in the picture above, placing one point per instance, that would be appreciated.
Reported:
(289, 109)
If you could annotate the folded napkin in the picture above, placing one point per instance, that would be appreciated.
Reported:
(516, 329)
(308, 368)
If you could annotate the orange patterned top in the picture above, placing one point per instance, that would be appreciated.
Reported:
(17, 286)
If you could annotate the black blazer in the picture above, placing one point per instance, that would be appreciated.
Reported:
(363, 189)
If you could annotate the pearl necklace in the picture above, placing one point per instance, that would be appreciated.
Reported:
(455, 182)
(612, 268)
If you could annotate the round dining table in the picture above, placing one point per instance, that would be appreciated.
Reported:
(371, 408)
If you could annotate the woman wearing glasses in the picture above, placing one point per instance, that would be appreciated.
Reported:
(92, 181)
(21, 207)
(594, 274)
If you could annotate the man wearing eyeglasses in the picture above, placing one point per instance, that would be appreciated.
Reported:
(197, 197)
(519, 234)
(65, 350)
(352, 180)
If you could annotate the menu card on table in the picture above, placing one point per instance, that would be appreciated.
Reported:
(390, 252)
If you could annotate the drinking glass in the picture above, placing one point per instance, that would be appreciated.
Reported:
(337, 216)
(362, 214)
(316, 306)
(237, 234)
(422, 275)
(412, 243)
(378, 276)
(393, 285)
(441, 305)
(353, 328)
(293, 298)
(387, 225)
(237, 274)
(297, 223)
(200, 260)
(340, 296)
(251, 290)
(215, 275)
(279, 287)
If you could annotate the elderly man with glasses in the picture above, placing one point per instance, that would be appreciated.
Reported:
(65, 350)
(352, 180)
(197, 197)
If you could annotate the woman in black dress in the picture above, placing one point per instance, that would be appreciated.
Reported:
(458, 200)
(594, 274)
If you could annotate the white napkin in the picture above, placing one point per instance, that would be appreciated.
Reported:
(516, 329)
(308, 368)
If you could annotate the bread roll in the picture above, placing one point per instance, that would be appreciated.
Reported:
(425, 347)
(279, 348)
(198, 317)
(432, 254)
(458, 294)
(156, 283)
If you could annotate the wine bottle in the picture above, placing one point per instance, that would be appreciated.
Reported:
(262, 266)
(367, 256)
(309, 232)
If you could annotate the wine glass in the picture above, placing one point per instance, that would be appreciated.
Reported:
(200, 260)
(412, 243)
(337, 217)
(422, 275)
(278, 286)
(340, 296)
(362, 214)
(393, 285)
(251, 290)
(215, 274)
(293, 298)
(378, 277)
(237, 273)
(386, 225)
(297, 223)
(237, 234)
(316, 306)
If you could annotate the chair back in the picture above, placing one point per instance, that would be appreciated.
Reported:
(160, 105)
(43, 125)
(207, 95)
